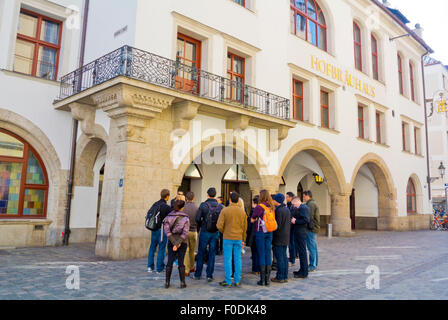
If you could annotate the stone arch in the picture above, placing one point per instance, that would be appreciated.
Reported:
(87, 150)
(387, 194)
(255, 168)
(326, 159)
(57, 177)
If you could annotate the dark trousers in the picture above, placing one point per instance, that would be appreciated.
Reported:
(292, 248)
(282, 262)
(255, 258)
(211, 240)
(220, 244)
(300, 244)
(264, 248)
(179, 255)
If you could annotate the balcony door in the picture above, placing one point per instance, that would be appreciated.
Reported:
(188, 57)
(235, 72)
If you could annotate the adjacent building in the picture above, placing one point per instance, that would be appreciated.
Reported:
(239, 95)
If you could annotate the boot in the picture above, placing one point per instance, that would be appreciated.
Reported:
(183, 285)
(267, 279)
(169, 270)
(262, 276)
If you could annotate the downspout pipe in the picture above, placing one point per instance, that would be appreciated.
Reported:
(75, 133)
(426, 126)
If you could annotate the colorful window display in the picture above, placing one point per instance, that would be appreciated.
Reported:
(23, 179)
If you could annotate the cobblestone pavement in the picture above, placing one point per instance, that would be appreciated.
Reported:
(413, 265)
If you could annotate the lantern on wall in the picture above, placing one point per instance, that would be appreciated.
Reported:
(318, 179)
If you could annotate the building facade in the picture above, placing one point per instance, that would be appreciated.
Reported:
(238, 95)
(436, 75)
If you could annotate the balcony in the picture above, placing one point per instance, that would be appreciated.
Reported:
(143, 66)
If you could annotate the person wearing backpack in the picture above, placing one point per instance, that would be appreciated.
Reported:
(300, 220)
(207, 219)
(176, 226)
(314, 228)
(156, 214)
(264, 217)
(281, 238)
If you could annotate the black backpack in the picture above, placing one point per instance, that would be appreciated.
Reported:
(153, 219)
(212, 217)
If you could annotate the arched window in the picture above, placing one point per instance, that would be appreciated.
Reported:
(358, 46)
(308, 22)
(411, 198)
(375, 72)
(23, 179)
(236, 174)
(400, 74)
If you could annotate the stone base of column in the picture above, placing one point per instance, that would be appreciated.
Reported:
(342, 227)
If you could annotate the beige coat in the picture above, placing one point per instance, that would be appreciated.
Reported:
(232, 223)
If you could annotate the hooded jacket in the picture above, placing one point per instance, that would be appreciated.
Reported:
(177, 234)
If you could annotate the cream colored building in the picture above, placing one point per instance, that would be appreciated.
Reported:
(239, 95)
(436, 75)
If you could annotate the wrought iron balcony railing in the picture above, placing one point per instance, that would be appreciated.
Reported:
(140, 65)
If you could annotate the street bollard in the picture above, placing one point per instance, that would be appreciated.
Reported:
(330, 231)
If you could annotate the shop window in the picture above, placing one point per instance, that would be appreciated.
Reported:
(23, 179)
(308, 22)
(38, 45)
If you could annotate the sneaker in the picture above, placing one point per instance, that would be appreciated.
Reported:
(237, 285)
(209, 279)
(225, 284)
(300, 276)
(275, 280)
(311, 269)
(150, 270)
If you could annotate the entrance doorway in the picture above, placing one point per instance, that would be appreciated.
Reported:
(193, 173)
(235, 180)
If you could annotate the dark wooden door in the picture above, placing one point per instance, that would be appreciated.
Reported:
(353, 209)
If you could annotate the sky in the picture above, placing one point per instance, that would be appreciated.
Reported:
(433, 17)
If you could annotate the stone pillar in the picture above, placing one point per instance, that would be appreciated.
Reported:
(340, 215)
(138, 166)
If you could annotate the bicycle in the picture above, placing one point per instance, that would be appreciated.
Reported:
(439, 222)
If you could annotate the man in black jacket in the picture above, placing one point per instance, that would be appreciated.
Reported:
(281, 237)
(158, 237)
(206, 237)
(292, 247)
(300, 220)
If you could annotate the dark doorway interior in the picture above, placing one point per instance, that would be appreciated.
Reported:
(353, 209)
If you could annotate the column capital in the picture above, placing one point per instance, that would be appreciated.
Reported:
(183, 113)
(132, 108)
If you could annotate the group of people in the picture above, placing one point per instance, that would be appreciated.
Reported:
(272, 226)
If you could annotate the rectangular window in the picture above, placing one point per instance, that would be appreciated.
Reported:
(400, 74)
(411, 72)
(403, 129)
(361, 122)
(375, 72)
(378, 127)
(188, 55)
(236, 73)
(417, 140)
(358, 46)
(298, 100)
(325, 109)
(38, 45)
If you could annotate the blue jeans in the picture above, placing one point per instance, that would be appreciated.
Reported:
(292, 248)
(282, 262)
(264, 248)
(232, 248)
(311, 243)
(211, 239)
(157, 240)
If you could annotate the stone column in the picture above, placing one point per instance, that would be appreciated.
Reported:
(138, 166)
(340, 215)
